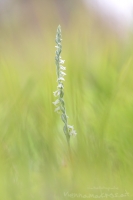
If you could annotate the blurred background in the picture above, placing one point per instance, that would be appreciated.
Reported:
(97, 46)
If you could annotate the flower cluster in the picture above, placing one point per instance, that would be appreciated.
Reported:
(59, 93)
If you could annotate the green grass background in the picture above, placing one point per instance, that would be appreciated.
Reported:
(34, 158)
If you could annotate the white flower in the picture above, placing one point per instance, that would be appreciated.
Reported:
(56, 93)
(61, 79)
(71, 130)
(62, 61)
(60, 86)
(56, 102)
(62, 67)
(62, 73)
(57, 109)
(70, 127)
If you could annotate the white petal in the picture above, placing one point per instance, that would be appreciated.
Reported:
(60, 86)
(62, 67)
(69, 126)
(61, 79)
(56, 93)
(73, 132)
(62, 61)
(63, 73)
(56, 102)
(57, 109)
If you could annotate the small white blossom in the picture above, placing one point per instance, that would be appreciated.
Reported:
(56, 93)
(62, 67)
(60, 86)
(62, 73)
(71, 130)
(61, 79)
(70, 127)
(57, 109)
(56, 102)
(62, 61)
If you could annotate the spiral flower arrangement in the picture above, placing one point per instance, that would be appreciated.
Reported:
(59, 93)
